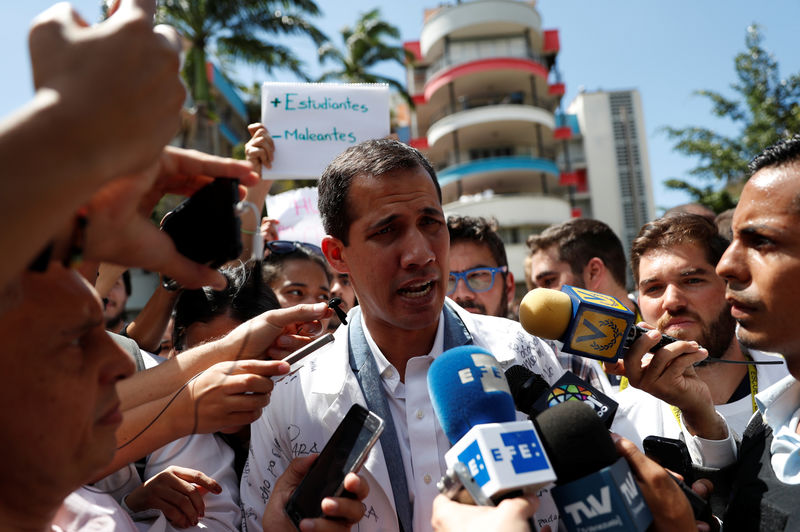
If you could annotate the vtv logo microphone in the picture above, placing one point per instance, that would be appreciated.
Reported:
(628, 489)
(591, 508)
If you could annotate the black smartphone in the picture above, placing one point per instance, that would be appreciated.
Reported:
(344, 453)
(205, 227)
(671, 454)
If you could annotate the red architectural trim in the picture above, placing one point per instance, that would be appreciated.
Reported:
(482, 65)
(413, 47)
(420, 143)
(562, 133)
(551, 41)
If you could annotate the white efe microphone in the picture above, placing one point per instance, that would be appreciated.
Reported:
(474, 406)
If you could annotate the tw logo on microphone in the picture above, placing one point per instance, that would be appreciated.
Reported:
(592, 507)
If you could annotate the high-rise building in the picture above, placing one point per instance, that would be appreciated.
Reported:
(488, 100)
(611, 148)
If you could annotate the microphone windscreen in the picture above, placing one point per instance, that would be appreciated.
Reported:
(526, 387)
(545, 313)
(575, 439)
(467, 388)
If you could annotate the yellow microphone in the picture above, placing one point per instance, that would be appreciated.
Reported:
(589, 324)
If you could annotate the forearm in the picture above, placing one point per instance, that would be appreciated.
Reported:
(251, 223)
(149, 326)
(107, 275)
(165, 379)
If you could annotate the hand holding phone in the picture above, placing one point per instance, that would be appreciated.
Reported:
(344, 453)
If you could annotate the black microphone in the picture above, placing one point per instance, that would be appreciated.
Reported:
(595, 488)
(526, 388)
(532, 395)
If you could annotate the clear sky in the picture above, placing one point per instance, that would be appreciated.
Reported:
(666, 50)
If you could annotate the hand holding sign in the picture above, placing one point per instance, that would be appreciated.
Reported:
(311, 123)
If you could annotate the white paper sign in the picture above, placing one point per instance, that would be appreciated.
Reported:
(298, 215)
(312, 123)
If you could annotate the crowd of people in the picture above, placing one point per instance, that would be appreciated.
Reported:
(185, 415)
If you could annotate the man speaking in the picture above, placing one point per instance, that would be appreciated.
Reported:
(381, 206)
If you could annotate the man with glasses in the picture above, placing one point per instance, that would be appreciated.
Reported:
(479, 278)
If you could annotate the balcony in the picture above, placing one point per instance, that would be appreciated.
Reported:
(489, 167)
(473, 123)
(475, 19)
(452, 60)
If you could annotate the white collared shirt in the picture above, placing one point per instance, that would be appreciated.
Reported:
(421, 438)
(780, 406)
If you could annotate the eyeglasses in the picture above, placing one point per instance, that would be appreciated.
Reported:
(476, 279)
(282, 247)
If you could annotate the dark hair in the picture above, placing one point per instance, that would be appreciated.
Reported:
(126, 279)
(723, 223)
(691, 208)
(580, 240)
(274, 263)
(782, 152)
(373, 158)
(478, 230)
(682, 228)
(245, 297)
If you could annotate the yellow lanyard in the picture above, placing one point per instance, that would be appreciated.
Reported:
(752, 373)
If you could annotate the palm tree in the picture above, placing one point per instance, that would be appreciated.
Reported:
(365, 46)
(237, 30)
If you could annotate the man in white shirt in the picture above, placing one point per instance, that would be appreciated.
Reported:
(762, 268)
(381, 206)
(673, 261)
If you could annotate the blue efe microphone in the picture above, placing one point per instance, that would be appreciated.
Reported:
(473, 404)
(467, 388)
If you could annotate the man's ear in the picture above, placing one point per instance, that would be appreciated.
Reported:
(333, 248)
(510, 287)
(594, 273)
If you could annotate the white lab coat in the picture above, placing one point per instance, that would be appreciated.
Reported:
(307, 406)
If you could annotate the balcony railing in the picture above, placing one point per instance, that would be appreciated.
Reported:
(464, 103)
(515, 151)
(466, 56)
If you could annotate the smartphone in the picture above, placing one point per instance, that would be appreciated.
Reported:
(205, 227)
(344, 453)
(670, 454)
